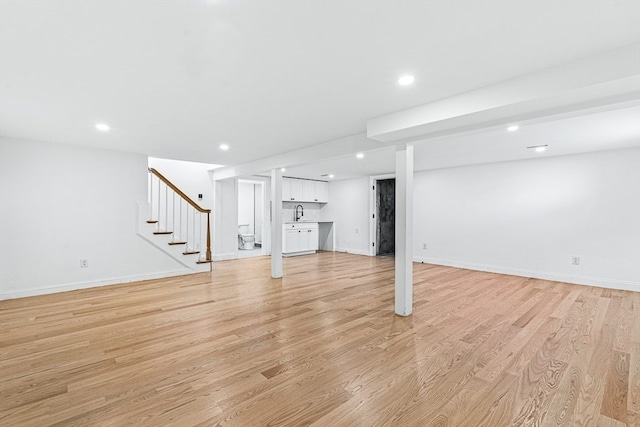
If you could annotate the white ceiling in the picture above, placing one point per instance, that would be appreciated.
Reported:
(596, 130)
(175, 79)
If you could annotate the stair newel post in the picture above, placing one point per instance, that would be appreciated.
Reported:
(208, 256)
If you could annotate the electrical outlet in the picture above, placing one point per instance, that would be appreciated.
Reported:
(84, 263)
(356, 231)
(424, 246)
(575, 260)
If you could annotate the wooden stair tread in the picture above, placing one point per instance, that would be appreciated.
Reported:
(163, 232)
(152, 221)
(177, 243)
(190, 252)
(204, 261)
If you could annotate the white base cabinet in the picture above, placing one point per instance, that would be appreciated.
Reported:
(299, 238)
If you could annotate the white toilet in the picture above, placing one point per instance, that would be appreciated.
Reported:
(245, 240)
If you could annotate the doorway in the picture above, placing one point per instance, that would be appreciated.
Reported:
(386, 217)
(250, 218)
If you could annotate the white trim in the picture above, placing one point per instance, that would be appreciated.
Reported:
(290, 254)
(86, 285)
(352, 251)
(602, 282)
(373, 221)
(225, 257)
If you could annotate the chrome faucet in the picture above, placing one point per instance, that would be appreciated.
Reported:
(296, 215)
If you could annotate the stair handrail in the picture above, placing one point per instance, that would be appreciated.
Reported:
(178, 191)
(193, 204)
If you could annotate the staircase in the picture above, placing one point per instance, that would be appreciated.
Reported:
(176, 224)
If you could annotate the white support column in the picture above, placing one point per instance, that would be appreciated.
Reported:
(404, 230)
(276, 223)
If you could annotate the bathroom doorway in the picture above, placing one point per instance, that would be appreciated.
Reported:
(250, 218)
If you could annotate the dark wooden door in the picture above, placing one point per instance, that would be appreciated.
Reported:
(386, 214)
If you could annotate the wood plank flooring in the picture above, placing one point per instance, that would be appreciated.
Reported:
(322, 347)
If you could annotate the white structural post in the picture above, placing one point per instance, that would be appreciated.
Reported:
(404, 230)
(276, 223)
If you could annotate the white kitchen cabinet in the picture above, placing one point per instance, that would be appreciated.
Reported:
(293, 241)
(286, 189)
(308, 190)
(313, 238)
(299, 238)
(321, 192)
(304, 190)
(292, 190)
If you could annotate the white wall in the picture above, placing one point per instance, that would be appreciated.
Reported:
(63, 203)
(191, 177)
(348, 207)
(525, 217)
(529, 217)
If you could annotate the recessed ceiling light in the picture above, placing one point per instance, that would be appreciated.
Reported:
(513, 128)
(406, 80)
(102, 127)
(330, 175)
(282, 170)
(539, 148)
(224, 147)
(360, 155)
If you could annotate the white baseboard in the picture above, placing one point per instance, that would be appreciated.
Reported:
(290, 254)
(86, 285)
(352, 251)
(225, 257)
(602, 282)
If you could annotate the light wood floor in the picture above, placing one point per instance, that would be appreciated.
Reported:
(322, 347)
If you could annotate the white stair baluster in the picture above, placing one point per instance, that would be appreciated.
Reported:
(197, 217)
(173, 215)
(181, 239)
(158, 223)
(187, 249)
(193, 224)
(150, 183)
(201, 256)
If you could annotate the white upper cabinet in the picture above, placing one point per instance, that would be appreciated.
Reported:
(322, 191)
(304, 190)
(286, 190)
(292, 190)
(308, 190)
